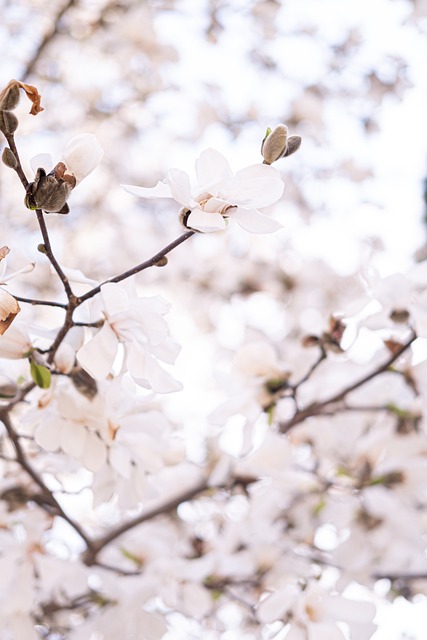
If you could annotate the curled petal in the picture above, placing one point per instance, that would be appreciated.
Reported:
(9, 309)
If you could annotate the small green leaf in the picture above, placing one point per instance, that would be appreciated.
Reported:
(319, 507)
(40, 374)
(131, 556)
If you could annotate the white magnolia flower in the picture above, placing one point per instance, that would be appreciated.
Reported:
(219, 194)
(314, 613)
(138, 324)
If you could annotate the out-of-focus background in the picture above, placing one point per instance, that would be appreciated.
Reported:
(160, 81)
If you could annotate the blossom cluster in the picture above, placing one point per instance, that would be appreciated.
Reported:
(273, 507)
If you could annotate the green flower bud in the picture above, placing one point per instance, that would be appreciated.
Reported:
(9, 158)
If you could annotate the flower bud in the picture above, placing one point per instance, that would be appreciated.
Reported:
(50, 192)
(162, 262)
(294, 143)
(9, 97)
(9, 158)
(275, 144)
(8, 122)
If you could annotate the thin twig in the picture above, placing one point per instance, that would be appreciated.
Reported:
(49, 253)
(317, 407)
(151, 262)
(47, 303)
(18, 169)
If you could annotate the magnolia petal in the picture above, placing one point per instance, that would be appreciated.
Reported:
(257, 186)
(9, 309)
(136, 361)
(82, 154)
(95, 452)
(277, 604)
(73, 439)
(297, 633)
(77, 276)
(27, 269)
(212, 169)
(48, 435)
(206, 222)
(15, 344)
(253, 221)
(324, 631)
(180, 187)
(115, 298)
(97, 355)
(161, 190)
(65, 358)
(104, 485)
(148, 373)
(120, 460)
(43, 160)
(160, 380)
(166, 351)
(349, 610)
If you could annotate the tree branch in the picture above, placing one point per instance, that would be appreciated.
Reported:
(151, 262)
(47, 38)
(49, 253)
(90, 557)
(50, 499)
(317, 407)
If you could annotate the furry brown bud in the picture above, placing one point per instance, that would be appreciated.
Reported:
(9, 97)
(9, 158)
(50, 192)
(8, 122)
(294, 143)
(275, 144)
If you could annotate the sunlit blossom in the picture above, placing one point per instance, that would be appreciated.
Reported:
(220, 194)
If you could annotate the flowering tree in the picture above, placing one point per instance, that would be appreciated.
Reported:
(268, 480)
